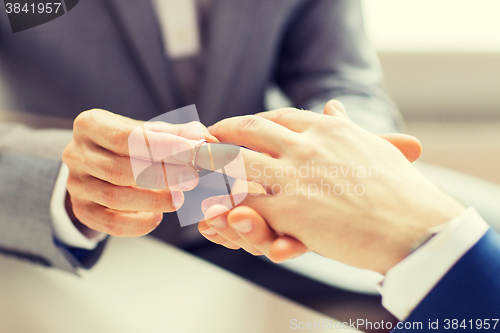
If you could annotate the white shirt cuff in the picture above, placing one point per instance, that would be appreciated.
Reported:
(64, 229)
(408, 283)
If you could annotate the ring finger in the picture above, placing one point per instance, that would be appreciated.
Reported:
(118, 170)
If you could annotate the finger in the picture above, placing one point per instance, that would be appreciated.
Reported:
(248, 224)
(254, 230)
(101, 164)
(115, 223)
(335, 108)
(128, 137)
(255, 133)
(119, 170)
(219, 224)
(168, 176)
(409, 146)
(228, 201)
(263, 203)
(216, 156)
(300, 120)
(286, 248)
(124, 198)
(192, 131)
(156, 146)
(236, 162)
(293, 119)
(212, 235)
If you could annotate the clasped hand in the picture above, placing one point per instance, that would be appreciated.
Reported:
(360, 200)
(103, 194)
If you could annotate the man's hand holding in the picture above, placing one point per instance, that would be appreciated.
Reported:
(101, 183)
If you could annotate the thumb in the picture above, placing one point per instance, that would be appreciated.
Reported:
(407, 144)
(335, 108)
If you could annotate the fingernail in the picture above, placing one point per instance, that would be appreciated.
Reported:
(242, 226)
(177, 199)
(338, 105)
(209, 232)
(159, 217)
(186, 180)
(219, 222)
(181, 152)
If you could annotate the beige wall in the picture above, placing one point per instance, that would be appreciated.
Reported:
(473, 148)
(431, 86)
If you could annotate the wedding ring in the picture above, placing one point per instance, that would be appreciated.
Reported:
(197, 146)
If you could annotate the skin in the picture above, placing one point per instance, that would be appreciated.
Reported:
(374, 230)
(261, 239)
(102, 192)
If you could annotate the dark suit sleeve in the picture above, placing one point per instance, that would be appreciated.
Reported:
(325, 55)
(470, 291)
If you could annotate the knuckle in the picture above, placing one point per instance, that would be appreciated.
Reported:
(81, 120)
(255, 252)
(202, 227)
(108, 172)
(233, 237)
(215, 129)
(283, 112)
(334, 124)
(71, 154)
(114, 172)
(113, 225)
(307, 151)
(209, 237)
(230, 245)
(217, 239)
(161, 202)
(315, 152)
(67, 154)
(84, 120)
(111, 198)
(289, 141)
(118, 138)
(248, 123)
(78, 209)
(156, 203)
(259, 240)
(72, 184)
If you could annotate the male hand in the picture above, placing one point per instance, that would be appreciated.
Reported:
(104, 193)
(244, 228)
(374, 229)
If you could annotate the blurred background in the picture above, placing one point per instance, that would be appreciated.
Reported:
(441, 60)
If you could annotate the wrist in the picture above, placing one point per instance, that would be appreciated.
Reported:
(414, 224)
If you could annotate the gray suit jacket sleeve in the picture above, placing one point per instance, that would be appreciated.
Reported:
(29, 165)
(326, 55)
